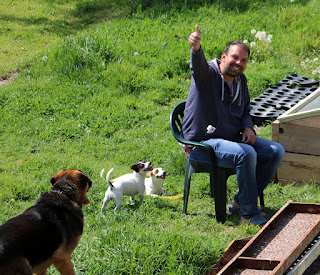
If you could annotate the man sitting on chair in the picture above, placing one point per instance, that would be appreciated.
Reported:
(217, 113)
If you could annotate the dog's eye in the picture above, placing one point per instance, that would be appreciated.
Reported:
(157, 171)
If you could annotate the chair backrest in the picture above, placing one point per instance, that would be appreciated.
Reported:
(176, 119)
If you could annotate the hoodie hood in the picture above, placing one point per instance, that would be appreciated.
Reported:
(237, 80)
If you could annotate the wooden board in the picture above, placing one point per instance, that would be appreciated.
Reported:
(312, 122)
(275, 125)
(300, 138)
(308, 261)
(279, 243)
(299, 168)
(233, 248)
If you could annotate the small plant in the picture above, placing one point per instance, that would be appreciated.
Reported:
(313, 64)
(260, 45)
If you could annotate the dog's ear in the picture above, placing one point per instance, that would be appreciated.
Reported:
(57, 176)
(135, 168)
(84, 179)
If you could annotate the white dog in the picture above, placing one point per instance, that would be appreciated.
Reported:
(153, 184)
(126, 185)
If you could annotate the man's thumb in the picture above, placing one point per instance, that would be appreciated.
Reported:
(197, 29)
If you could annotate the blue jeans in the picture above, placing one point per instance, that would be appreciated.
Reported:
(255, 165)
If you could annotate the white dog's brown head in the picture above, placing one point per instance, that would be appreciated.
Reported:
(158, 173)
(141, 166)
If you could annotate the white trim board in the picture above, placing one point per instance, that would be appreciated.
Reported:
(296, 113)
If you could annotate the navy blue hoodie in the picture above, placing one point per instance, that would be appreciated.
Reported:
(210, 102)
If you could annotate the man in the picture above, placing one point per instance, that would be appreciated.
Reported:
(217, 113)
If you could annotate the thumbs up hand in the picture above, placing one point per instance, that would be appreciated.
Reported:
(194, 39)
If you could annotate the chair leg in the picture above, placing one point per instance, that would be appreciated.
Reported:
(212, 190)
(261, 198)
(188, 173)
(218, 180)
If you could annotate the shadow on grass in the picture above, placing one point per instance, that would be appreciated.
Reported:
(234, 219)
(85, 13)
(161, 203)
(61, 27)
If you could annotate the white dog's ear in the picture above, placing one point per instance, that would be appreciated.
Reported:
(149, 173)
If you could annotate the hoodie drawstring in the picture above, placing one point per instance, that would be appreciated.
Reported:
(222, 92)
(237, 93)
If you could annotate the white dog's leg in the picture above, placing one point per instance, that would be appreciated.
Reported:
(141, 198)
(118, 204)
(105, 202)
(132, 199)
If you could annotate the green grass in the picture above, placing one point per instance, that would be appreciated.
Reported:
(27, 27)
(97, 85)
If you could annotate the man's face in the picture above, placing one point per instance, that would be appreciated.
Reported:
(235, 62)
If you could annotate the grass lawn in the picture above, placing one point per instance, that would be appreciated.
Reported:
(97, 83)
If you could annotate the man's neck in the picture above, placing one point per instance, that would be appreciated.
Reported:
(227, 77)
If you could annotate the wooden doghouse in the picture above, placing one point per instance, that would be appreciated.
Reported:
(298, 130)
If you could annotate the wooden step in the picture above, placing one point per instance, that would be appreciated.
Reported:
(279, 243)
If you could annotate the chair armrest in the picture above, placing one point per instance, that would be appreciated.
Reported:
(207, 147)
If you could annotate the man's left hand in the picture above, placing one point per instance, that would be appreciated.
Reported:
(248, 136)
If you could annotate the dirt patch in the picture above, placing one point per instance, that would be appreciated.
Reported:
(7, 78)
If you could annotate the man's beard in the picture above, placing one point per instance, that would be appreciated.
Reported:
(233, 73)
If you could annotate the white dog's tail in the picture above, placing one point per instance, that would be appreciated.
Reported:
(108, 176)
(101, 173)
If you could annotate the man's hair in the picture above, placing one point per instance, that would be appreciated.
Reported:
(239, 43)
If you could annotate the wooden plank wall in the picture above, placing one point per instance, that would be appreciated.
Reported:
(301, 140)
(299, 167)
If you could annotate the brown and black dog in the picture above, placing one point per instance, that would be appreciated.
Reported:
(47, 232)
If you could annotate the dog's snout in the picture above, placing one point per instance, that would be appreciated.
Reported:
(148, 166)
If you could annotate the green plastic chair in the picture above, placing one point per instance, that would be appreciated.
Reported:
(201, 159)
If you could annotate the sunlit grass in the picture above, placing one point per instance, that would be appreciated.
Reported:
(101, 97)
